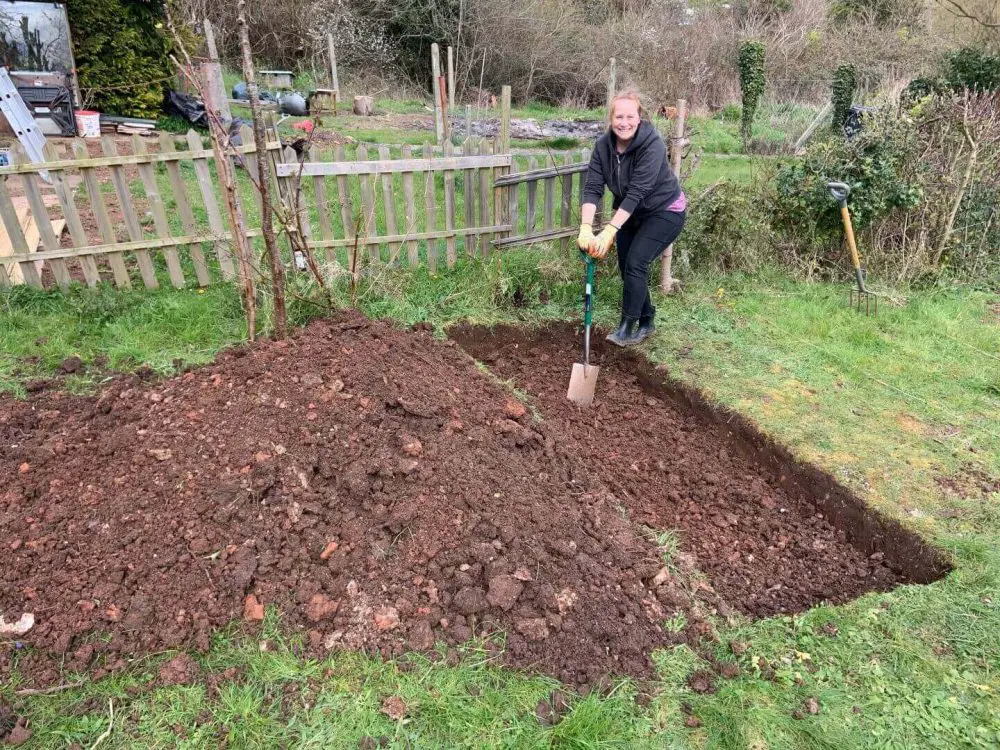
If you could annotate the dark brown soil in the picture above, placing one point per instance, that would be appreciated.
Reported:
(771, 535)
(384, 494)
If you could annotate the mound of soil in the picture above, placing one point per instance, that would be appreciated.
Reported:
(384, 494)
(371, 483)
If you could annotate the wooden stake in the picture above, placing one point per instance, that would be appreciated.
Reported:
(501, 195)
(668, 284)
(612, 83)
(436, 84)
(333, 64)
(451, 79)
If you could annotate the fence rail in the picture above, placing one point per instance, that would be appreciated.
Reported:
(91, 214)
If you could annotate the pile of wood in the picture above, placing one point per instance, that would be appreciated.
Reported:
(127, 125)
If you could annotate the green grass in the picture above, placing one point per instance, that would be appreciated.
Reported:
(888, 404)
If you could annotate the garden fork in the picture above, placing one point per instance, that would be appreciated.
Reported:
(840, 191)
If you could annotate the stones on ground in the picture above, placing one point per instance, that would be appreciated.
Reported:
(533, 628)
(321, 607)
(328, 550)
(252, 609)
(514, 409)
(161, 454)
(421, 636)
(311, 380)
(812, 706)
(19, 627)
(395, 708)
(386, 618)
(504, 591)
(470, 600)
(411, 446)
(24, 468)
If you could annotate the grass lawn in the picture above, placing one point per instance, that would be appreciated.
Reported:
(890, 405)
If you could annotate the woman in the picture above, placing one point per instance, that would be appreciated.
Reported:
(631, 161)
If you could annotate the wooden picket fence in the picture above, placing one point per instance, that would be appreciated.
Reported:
(155, 215)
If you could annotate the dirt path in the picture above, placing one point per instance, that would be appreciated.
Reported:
(384, 493)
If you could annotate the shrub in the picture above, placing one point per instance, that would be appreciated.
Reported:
(727, 229)
(972, 68)
(752, 80)
(844, 84)
(121, 49)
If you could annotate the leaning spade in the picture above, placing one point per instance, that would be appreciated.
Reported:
(583, 379)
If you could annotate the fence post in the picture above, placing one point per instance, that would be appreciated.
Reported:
(211, 71)
(436, 88)
(612, 83)
(333, 65)
(501, 200)
(668, 284)
(451, 78)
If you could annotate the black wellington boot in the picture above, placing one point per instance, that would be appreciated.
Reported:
(625, 334)
(646, 326)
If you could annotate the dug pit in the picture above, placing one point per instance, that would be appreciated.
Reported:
(384, 493)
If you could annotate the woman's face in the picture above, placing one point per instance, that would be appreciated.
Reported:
(626, 119)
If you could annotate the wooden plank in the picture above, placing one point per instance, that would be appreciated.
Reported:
(430, 202)
(144, 244)
(485, 191)
(298, 209)
(198, 152)
(389, 205)
(26, 270)
(369, 223)
(147, 174)
(346, 211)
(555, 234)
(76, 231)
(571, 167)
(503, 197)
(449, 208)
(438, 234)
(322, 203)
(469, 190)
(567, 203)
(514, 200)
(104, 226)
(410, 221)
(184, 209)
(529, 225)
(40, 214)
(393, 166)
(118, 179)
(252, 165)
(208, 196)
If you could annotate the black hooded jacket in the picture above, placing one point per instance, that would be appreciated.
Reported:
(640, 179)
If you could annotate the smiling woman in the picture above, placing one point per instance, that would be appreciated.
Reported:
(630, 160)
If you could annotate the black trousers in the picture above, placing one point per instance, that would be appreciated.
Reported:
(640, 242)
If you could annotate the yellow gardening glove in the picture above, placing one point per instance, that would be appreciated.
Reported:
(586, 237)
(603, 241)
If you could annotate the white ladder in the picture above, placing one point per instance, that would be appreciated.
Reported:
(21, 122)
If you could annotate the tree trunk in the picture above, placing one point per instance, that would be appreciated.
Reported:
(264, 170)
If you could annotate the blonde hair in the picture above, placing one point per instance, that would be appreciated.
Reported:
(627, 95)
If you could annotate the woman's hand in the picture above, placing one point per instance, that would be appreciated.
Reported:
(603, 241)
(585, 240)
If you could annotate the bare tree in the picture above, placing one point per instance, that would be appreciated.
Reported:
(264, 172)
